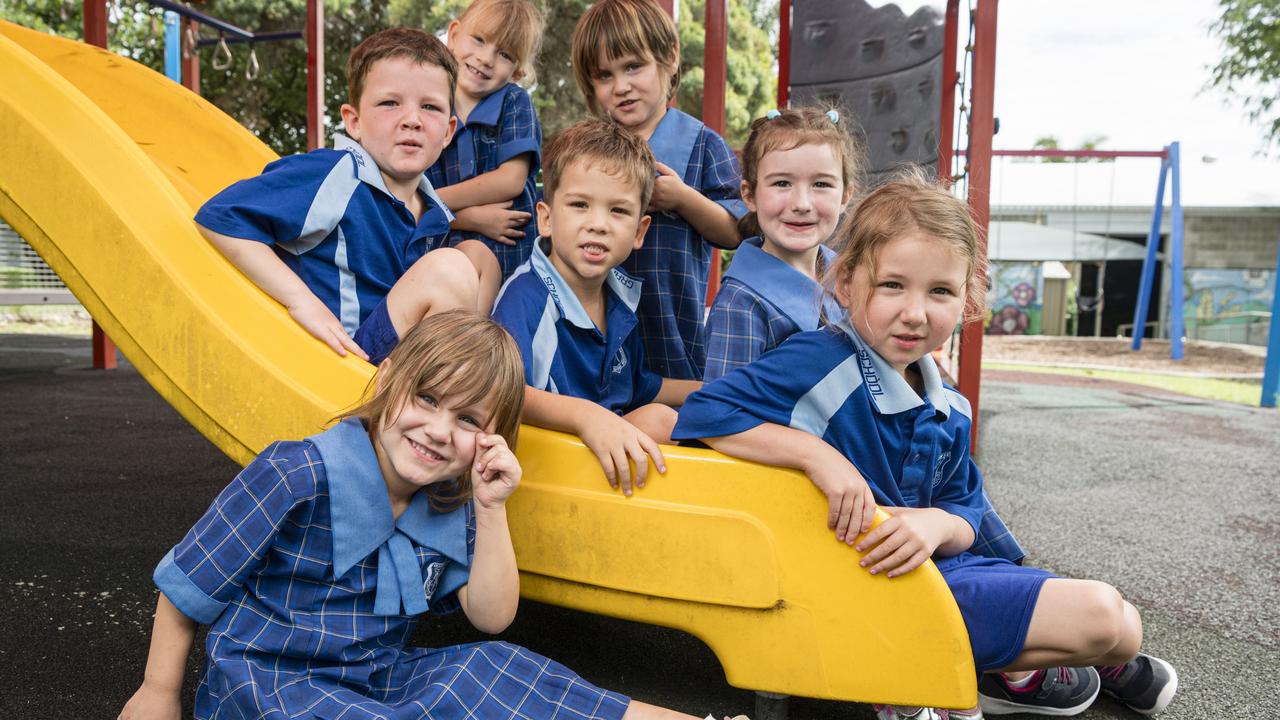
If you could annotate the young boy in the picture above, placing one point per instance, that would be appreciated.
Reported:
(626, 58)
(572, 310)
(340, 237)
(486, 174)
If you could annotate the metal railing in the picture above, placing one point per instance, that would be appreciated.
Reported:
(1242, 328)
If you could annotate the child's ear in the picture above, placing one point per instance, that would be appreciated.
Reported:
(641, 230)
(384, 370)
(351, 121)
(450, 33)
(843, 277)
(544, 219)
(749, 198)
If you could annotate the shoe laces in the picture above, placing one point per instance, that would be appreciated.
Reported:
(1113, 672)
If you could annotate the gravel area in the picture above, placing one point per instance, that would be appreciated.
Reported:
(1200, 358)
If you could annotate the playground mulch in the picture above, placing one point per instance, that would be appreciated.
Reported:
(1199, 358)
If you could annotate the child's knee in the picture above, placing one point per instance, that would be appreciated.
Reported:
(1109, 626)
(448, 277)
(481, 257)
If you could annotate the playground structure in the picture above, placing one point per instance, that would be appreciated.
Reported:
(733, 553)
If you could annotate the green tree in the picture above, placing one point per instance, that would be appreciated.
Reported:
(1250, 67)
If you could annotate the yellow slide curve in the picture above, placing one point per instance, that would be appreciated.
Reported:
(102, 163)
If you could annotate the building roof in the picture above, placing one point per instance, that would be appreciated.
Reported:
(1010, 241)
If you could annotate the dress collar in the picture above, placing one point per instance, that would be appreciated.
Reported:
(673, 139)
(624, 287)
(889, 391)
(368, 172)
(489, 110)
(793, 293)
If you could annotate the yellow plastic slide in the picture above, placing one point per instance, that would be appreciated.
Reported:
(102, 163)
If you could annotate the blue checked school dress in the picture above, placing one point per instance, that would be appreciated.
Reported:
(310, 588)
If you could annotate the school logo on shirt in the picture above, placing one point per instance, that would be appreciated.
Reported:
(434, 571)
(623, 279)
(869, 374)
(942, 465)
(619, 361)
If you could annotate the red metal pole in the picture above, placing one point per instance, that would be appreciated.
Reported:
(784, 52)
(714, 60)
(95, 33)
(315, 74)
(669, 6)
(982, 129)
(191, 55)
(947, 116)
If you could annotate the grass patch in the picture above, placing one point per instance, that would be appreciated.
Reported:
(1243, 392)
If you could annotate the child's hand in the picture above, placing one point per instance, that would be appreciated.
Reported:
(616, 444)
(903, 542)
(495, 474)
(668, 190)
(316, 318)
(851, 505)
(497, 222)
(150, 702)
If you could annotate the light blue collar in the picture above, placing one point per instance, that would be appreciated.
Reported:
(793, 293)
(890, 391)
(622, 285)
(362, 521)
(673, 139)
(489, 110)
(368, 172)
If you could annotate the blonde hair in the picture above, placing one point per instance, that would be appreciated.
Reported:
(514, 26)
(456, 353)
(912, 201)
(419, 47)
(602, 145)
(789, 129)
(619, 28)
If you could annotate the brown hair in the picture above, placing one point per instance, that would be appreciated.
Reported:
(452, 353)
(602, 145)
(514, 26)
(912, 201)
(620, 28)
(789, 129)
(402, 42)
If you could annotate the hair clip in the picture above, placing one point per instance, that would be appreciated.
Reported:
(833, 116)
(773, 114)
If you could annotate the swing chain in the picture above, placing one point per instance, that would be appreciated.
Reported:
(191, 41)
(221, 54)
(251, 67)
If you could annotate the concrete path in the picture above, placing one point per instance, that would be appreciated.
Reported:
(1173, 500)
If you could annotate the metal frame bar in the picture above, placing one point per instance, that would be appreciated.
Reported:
(947, 111)
(1176, 270)
(1271, 370)
(1102, 154)
(95, 33)
(784, 53)
(1147, 281)
(173, 46)
(273, 36)
(714, 73)
(315, 74)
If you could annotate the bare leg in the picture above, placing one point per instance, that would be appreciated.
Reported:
(443, 279)
(655, 420)
(1078, 623)
(642, 711)
(486, 265)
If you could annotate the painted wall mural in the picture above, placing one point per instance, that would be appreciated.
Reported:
(1014, 298)
(1224, 304)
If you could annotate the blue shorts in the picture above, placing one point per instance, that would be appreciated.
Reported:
(996, 599)
(376, 335)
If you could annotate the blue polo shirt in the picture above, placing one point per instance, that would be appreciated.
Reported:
(913, 451)
(675, 261)
(501, 127)
(329, 216)
(563, 350)
(762, 302)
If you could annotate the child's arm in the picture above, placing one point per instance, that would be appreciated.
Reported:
(711, 220)
(673, 392)
(496, 221)
(617, 444)
(496, 186)
(903, 542)
(262, 266)
(160, 695)
(851, 505)
(492, 593)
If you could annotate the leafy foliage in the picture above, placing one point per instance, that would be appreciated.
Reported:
(1250, 67)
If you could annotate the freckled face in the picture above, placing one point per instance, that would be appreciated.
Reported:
(430, 438)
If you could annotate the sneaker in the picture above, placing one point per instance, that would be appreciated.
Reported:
(1058, 691)
(1146, 684)
(898, 712)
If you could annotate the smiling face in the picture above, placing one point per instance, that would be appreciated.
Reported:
(483, 67)
(797, 200)
(404, 119)
(595, 220)
(632, 91)
(912, 302)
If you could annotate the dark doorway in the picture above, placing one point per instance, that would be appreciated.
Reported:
(1120, 297)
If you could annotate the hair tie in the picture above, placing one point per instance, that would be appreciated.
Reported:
(833, 116)
(773, 114)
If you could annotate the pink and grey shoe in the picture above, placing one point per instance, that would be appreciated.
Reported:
(1145, 684)
(1060, 691)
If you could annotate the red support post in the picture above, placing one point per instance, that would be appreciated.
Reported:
(191, 55)
(784, 53)
(95, 33)
(670, 7)
(981, 132)
(714, 62)
(947, 116)
(315, 74)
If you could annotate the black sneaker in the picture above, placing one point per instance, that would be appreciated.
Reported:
(1146, 684)
(1060, 691)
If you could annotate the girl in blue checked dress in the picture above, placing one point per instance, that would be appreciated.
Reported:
(311, 565)
(863, 399)
(799, 170)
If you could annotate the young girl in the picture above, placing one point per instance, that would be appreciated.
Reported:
(864, 397)
(310, 566)
(626, 60)
(798, 173)
(486, 175)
